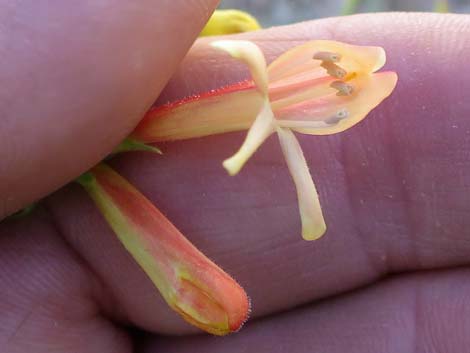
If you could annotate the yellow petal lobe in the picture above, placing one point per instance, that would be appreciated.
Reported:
(261, 129)
(313, 224)
(249, 53)
(300, 59)
(335, 114)
(224, 22)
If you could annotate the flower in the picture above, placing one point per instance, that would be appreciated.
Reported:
(191, 284)
(318, 88)
(229, 22)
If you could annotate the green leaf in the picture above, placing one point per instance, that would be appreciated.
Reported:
(85, 179)
(130, 145)
(24, 212)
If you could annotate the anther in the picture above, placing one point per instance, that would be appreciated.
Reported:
(333, 70)
(340, 115)
(327, 56)
(343, 88)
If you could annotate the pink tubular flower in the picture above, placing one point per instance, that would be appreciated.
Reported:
(190, 283)
(318, 88)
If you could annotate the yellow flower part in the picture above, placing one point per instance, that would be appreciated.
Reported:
(229, 22)
(313, 91)
(318, 88)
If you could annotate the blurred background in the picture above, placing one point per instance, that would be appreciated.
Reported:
(279, 12)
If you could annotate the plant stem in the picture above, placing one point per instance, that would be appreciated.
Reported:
(441, 6)
(350, 7)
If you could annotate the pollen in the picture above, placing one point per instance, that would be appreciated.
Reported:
(333, 70)
(327, 56)
(340, 115)
(344, 89)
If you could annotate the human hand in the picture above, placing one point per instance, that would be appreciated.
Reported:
(393, 193)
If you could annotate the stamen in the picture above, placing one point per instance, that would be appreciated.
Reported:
(340, 115)
(343, 88)
(327, 56)
(333, 70)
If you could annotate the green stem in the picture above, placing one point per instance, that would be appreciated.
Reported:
(350, 7)
(441, 6)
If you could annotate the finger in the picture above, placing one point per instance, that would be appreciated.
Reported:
(51, 302)
(419, 313)
(393, 189)
(76, 77)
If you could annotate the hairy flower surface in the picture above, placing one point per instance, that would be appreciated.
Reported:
(191, 284)
(318, 88)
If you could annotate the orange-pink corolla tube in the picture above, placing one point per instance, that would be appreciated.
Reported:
(318, 88)
(191, 284)
(303, 86)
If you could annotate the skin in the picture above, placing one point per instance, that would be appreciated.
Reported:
(75, 71)
(391, 274)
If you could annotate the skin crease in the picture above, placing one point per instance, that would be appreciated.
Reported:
(394, 193)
